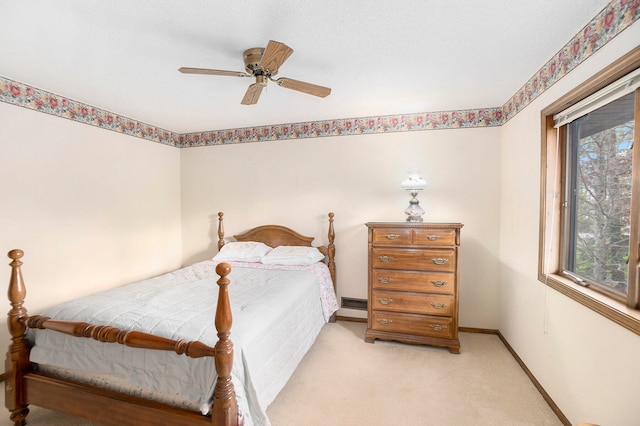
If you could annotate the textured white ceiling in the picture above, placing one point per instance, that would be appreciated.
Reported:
(380, 57)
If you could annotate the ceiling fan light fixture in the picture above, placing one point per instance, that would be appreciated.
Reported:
(261, 79)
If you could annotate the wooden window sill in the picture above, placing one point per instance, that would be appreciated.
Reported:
(616, 311)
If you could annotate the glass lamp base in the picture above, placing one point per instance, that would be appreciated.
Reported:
(414, 211)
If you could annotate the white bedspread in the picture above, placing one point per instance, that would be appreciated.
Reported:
(181, 305)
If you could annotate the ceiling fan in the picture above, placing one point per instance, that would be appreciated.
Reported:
(263, 64)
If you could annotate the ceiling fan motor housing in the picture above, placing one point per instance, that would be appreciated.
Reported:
(252, 59)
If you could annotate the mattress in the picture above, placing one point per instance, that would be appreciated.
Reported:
(278, 312)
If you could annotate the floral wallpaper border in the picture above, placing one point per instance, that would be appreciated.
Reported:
(20, 94)
(348, 126)
(611, 21)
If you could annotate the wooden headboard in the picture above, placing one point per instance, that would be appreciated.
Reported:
(276, 235)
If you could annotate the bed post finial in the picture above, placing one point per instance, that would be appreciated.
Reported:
(332, 255)
(17, 359)
(220, 231)
(225, 406)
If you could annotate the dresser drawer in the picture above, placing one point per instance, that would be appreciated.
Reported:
(414, 259)
(434, 237)
(426, 282)
(415, 236)
(399, 236)
(417, 303)
(421, 325)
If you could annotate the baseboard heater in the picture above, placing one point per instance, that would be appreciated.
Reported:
(351, 303)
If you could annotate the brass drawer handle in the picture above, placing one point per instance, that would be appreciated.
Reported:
(392, 236)
(433, 237)
(384, 321)
(439, 260)
(438, 327)
(385, 259)
(385, 280)
(438, 305)
(384, 300)
(438, 283)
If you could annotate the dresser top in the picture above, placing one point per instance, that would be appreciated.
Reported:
(431, 225)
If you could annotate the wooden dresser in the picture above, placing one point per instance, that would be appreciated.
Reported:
(413, 283)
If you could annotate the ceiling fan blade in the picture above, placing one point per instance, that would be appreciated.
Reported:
(274, 56)
(253, 94)
(301, 86)
(187, 70)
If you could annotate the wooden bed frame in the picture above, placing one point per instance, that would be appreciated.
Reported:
(24, 385)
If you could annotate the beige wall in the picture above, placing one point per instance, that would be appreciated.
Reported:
(588, 364)
(91, 208)
(296, 183)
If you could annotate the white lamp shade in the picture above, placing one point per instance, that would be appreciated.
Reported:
(414, 182)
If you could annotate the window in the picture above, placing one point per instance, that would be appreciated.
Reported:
(597, 200)
(590, 193)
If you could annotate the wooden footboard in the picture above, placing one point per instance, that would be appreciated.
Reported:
(24, 386)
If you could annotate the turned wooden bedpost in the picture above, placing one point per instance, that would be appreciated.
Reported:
(17, 360)
(332, 254)
(220, 231)
(225, 406)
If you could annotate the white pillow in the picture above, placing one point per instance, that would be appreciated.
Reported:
(242, 251)
(293, 255)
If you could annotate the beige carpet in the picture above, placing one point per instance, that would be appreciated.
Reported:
(345, 381)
